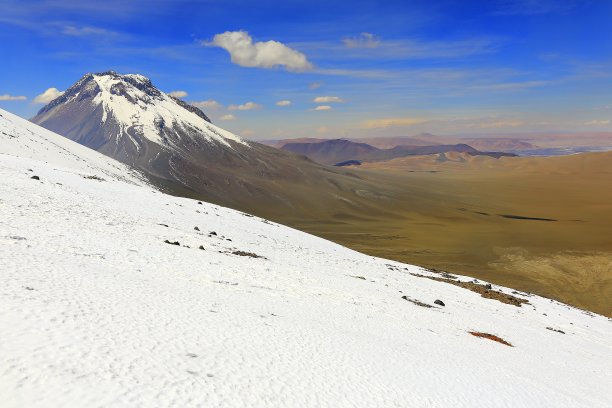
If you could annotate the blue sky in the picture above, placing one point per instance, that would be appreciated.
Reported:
(347, 69)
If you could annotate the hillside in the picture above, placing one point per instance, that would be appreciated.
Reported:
(118, 295)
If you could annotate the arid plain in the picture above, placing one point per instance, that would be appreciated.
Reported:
(539, 224)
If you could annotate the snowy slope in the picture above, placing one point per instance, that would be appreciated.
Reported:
(96, 310)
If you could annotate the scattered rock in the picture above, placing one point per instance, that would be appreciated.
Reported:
(94, 177)
(416, 302)
(556, 330)
(212, 233)
(191, 355)
(490, 337)
(199, 202)
(35, 178)
(202, 247)
(249, 254)
(172, 243)
(196, 228)
(163, 225)
(357, 277)
(28, 288)
(439, 302)
(488, 286)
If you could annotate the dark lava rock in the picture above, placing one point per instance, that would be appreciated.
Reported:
(35, 178)
(488, 286)
(439, 302)
(212, 233)
(196, 228)
(172, 243)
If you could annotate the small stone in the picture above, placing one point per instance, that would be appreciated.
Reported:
(212, 233)
(35, 178)
(488, 286)
(172, 243)
(199, 202)
(439, 302)
(202, 247)
(196, 228)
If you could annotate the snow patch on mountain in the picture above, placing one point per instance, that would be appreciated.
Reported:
(147, 110)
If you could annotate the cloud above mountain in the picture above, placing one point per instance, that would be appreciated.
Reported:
(178, 94)
(263, 54)
(49, 95)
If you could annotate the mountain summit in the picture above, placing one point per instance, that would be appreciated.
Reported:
(126, 117)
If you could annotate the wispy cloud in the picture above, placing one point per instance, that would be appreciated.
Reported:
(400, 49)
(209, 104)
(7, 97)
(328, 99)
(264, 54)
(597, 122)
(321, 108)
(49, 95)
(227, 117)
(245, 106)
(178, 94)
(284, 102)
(391, 122)
(86, 31)
(363, 40)
(315, 85)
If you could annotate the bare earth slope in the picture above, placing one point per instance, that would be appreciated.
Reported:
(111, 297)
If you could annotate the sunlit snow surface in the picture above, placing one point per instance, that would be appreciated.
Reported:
(97, 311)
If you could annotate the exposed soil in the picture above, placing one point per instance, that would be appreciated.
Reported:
(484, 290)
(490, 337)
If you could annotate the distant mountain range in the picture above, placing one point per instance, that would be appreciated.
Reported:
(346, 152)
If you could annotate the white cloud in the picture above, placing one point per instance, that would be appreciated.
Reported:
(283, 103)
(597, 123)
(49, 95)
(321, 108)
(7, 97)
(209, 104)
(328, 99)
(227, 117)
(269, 54)
(315, 85)
(178, 94)
(246, 106)
(363, 40)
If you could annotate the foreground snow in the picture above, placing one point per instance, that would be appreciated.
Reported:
(97, 310)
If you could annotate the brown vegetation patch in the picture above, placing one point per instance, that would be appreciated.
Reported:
(490, 337)
(484, 290)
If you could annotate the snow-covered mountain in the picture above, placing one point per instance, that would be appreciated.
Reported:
(115, 294)
(177, 148)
